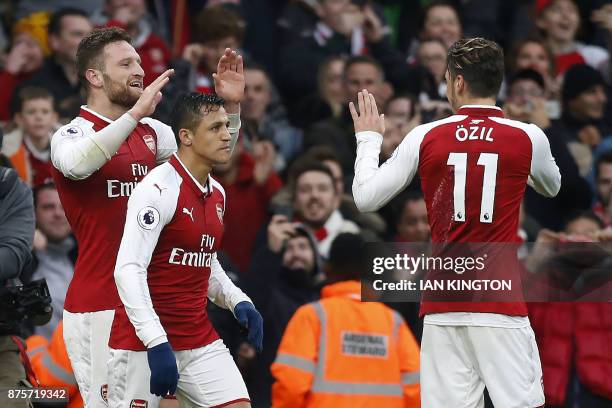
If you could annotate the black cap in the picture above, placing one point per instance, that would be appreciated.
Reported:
(527, 74)
(578, 79)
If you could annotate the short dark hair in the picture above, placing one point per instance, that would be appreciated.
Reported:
(55, 22)
(347, 258)
(304, 165)
(91, 48)
(323, 153)
(41, 187)
(363, 59)
(433, 4)
(480, 62)
(585, 214)
(216, 23)
(29, 93)
(604, 158)
(527, 74)
(189, 109)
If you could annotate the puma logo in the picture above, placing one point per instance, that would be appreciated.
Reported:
(189, 213)
(159, 188)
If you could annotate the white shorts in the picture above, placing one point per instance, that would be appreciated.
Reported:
(457, 362)
(208, 378)
(86, 336)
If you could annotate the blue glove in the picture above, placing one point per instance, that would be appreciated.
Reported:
(164, 373)
(250, 318)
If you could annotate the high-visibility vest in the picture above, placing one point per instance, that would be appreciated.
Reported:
(339, 352)
(50, 362)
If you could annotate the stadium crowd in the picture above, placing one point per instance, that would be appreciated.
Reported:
(289, 180)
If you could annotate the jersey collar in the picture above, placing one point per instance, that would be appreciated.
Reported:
(94, 117)
(481, 110)
(200, 190)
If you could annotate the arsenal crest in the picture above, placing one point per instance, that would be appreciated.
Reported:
(139, 403)
(150, 142)
(104, 392)
(220, 213)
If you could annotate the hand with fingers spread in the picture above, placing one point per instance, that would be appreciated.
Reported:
(367, 119)
(229, 78)
(150, 97)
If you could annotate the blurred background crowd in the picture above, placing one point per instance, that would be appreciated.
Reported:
(289, 181)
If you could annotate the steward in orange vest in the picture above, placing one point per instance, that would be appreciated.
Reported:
(339, 352)
(51, 365)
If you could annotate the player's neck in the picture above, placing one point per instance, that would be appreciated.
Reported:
(476, 101)
(198, 168)
(102, 106)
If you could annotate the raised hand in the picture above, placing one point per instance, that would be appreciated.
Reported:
(368, 118)
(229, 78)
(150, 97)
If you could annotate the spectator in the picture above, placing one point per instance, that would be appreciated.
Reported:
(66, 29)
(559, 21)
(28, 146)
(413, 225)
(341, 29)
(441, 20)
(431, 54)
(263, 121)
(526, 102)
(214, 29)
(603, 184)
(315, 204)
(285, 275)
(56, 259)
(532, 53)
(401, 116)
(572, 336)
(336, 344)
(29, 47)
(131, 16)
(359, 73)
(329, 100)
(249, 182)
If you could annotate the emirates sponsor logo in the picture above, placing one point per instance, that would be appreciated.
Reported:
(150, 142)
(139, 403)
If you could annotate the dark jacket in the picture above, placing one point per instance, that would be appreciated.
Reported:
(16, 225)
(575, 193)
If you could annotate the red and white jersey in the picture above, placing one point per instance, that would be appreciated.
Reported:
(167, 263)
(95, 205)
(474, 167)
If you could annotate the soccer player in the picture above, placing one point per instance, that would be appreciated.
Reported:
(98, 159)
(167, 266)
(474, 167)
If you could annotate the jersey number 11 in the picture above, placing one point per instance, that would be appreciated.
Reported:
(459, 163)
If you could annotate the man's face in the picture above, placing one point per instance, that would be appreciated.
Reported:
(442, 22)
(122, 73)
(604, 183)
(299, 255)
(432, 55)
(73, 29)
(331, 85)
(257, 95)
(315, 198)
(50, 217)
(211, 141)
(560, 20)
(34, 54)
(363, 76)
(413, 225)
(37, 118)
(589, 104)
(582, 226)
(523, 91)
(533, 56)
(212, 51)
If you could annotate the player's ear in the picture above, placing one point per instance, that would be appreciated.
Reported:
(186, 137)
(94, 77)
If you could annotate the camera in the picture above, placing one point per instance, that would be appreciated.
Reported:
(25, 303)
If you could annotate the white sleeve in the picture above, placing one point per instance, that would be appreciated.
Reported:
(221, 290)
(149, 210)
(544, 176)
(374, 186)
(234, 129)
(77, 151)
(166, 142)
